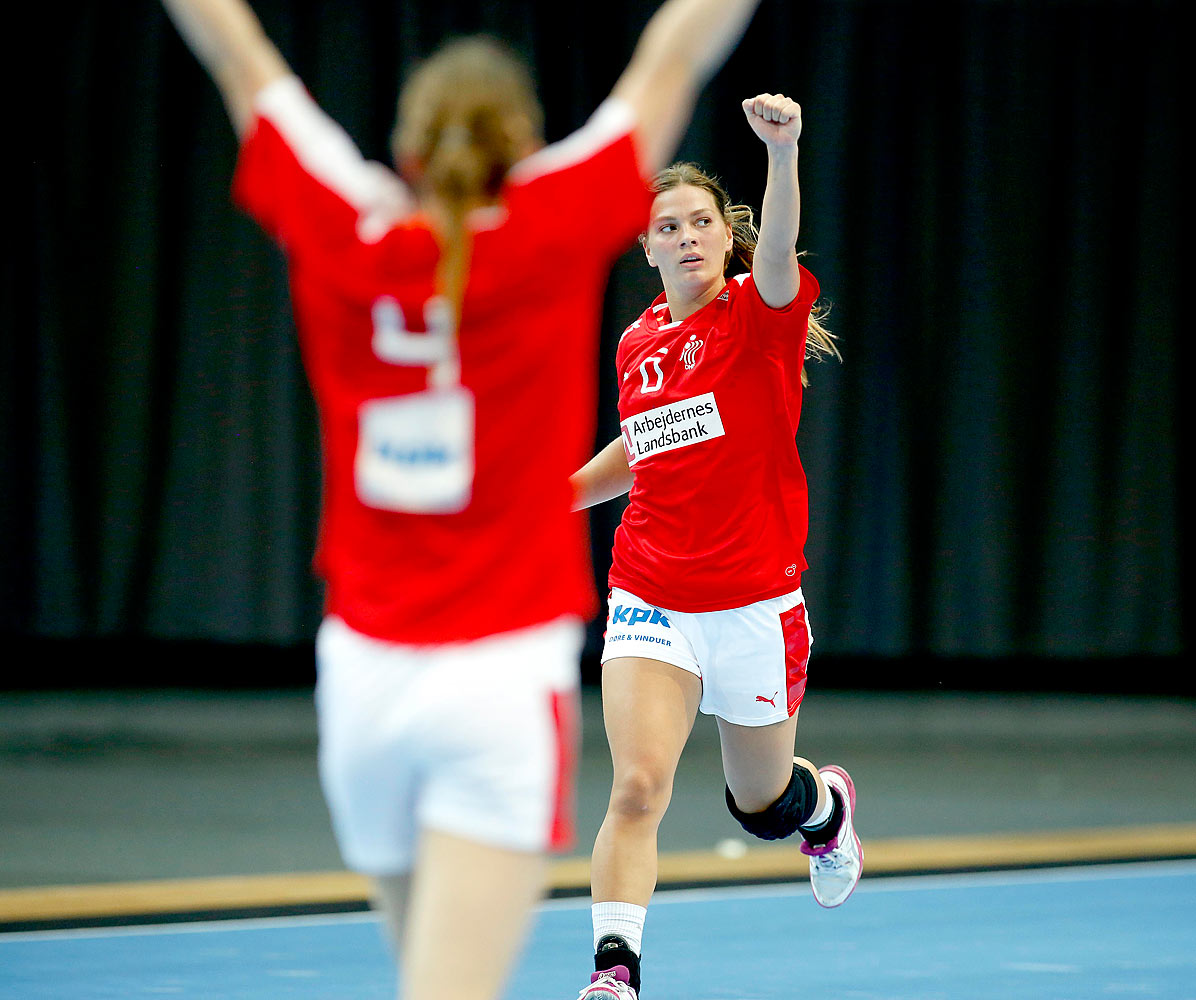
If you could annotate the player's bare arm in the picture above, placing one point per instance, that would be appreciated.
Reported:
(776, 120)
(604, 477)
(228, 40)
(680, 49)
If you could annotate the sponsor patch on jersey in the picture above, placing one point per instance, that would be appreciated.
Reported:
(666, 428)
(415, 452)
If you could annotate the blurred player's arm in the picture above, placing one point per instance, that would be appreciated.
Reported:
(603, 477)
(776, 120)
(228, 40)
(684, 43)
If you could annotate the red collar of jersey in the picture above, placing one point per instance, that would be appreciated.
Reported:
(659, 315)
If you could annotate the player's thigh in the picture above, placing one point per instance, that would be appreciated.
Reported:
(467, 899)
(757, 760)
(391, 896)
(648, 708)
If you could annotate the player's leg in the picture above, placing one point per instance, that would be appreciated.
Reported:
(774, 795)
(364, 694)
(462, 918)
(495, 796)
(414, 741)
(649, 708)
(391, 896)
(765, 648)
(758, 762)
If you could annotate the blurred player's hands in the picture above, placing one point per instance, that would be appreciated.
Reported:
(774, 118)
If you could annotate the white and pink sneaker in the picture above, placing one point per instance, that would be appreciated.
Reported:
(835, 866)
(612, 984)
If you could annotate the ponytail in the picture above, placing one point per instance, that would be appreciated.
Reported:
(466, 166)
(465, 117)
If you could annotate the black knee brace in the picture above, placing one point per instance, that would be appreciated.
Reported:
(785, 815)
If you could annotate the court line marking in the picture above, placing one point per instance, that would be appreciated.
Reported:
(960, 881)
(193, 927)
(769, 863)
(941, 880)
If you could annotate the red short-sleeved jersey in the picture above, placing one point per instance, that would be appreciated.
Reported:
(709, 408)
(362, 267)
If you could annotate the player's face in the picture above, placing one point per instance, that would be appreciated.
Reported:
(687, 239)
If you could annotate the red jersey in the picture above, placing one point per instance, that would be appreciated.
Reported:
(446, 498)
(709, 408)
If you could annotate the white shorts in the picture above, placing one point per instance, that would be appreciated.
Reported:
(751, 660)
(477, 739)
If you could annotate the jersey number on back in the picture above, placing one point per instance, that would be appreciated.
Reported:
(415, 452)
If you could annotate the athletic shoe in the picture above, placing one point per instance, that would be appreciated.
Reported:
(610, 984)
(835, 866)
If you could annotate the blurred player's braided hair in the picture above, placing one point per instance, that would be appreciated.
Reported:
(820, 342)
(466, 115)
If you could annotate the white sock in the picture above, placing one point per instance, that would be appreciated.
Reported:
(822, 815)
(624, 919)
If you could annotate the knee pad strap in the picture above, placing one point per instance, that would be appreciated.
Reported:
(785, 815)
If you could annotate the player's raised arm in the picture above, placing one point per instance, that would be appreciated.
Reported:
(228, 40)
(776, 120)
(680, 49)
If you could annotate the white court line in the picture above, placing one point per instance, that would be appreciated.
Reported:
(195, 927)
(907, 883)
(904, 883)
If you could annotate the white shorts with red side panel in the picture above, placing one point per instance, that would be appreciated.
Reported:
(751, 660)
(478, 739)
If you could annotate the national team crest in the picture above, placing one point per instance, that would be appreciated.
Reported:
(689, 353)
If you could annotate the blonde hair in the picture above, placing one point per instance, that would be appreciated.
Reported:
(820, 342)
(465, 116)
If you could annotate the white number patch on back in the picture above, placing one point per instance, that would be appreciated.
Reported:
(394, 343)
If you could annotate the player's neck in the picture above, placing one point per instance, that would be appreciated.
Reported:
(683, 303)
(443, 220)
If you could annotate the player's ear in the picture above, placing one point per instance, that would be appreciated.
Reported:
(647, 251)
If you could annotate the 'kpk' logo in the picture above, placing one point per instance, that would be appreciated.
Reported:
(627, 615)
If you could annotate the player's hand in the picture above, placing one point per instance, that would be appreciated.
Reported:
(774, 118)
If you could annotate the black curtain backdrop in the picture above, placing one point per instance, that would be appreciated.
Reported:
(991, 201)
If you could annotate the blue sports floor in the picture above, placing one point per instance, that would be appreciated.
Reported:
(1076, 933)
